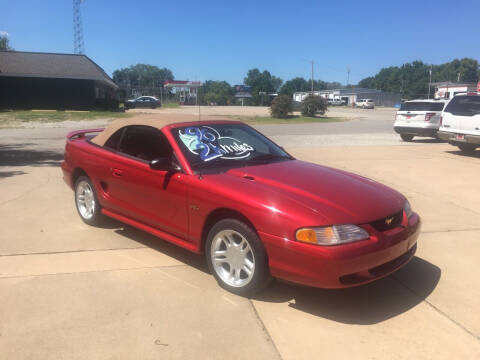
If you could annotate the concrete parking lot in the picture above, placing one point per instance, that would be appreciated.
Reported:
(72, 291)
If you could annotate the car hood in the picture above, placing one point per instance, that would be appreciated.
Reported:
(336, 195)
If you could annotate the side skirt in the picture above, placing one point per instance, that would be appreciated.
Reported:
(158, 233)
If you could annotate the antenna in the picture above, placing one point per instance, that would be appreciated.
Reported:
(78, 44)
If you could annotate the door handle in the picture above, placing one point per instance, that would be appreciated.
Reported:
(116, 172)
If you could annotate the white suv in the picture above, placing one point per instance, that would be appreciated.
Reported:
(418, 118)
(461, 122)
(365, 104)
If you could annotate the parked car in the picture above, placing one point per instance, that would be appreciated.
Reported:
(335, 102)
(143, 102)
(418, 118)
(365, 103)
(461, 122)
(223, 189)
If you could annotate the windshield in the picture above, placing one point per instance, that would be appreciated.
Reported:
(422, 106)
(464, 105)
(219, 147)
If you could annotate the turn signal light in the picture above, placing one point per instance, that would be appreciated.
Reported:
(331, 235)
(307, 235)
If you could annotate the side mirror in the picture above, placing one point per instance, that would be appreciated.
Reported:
(163, 164)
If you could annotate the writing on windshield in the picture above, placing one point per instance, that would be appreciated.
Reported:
(208, 144)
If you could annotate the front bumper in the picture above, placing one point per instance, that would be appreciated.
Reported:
(343, 265)
(418, 131)
(451, 137)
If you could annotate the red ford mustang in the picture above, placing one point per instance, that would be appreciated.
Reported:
(223, 189)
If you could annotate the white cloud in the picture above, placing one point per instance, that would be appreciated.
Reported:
(3, 33)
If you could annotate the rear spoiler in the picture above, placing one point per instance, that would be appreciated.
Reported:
(78, 134)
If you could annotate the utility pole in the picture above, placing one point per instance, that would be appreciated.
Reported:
(312, 77)
(348, 75)
(430, 82)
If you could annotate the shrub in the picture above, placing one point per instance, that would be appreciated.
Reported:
(281, 106)
(313, 104)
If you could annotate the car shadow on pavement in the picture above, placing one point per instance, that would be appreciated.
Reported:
(23, 155)
(4, 174)
(473, 154)
(363, 305)
(163, 246)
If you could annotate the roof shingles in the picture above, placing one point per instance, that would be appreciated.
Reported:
(51, 65)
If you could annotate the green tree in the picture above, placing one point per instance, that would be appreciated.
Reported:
(218, 92)
(301, 84)
(282, 106)
(313, 104)
(263, 84)
(411, 79)
(294, 85)
(5, 43)
(142, 76)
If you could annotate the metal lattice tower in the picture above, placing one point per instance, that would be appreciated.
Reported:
(78, 44)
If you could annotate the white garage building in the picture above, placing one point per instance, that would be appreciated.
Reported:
(352, 95)
(448, 89)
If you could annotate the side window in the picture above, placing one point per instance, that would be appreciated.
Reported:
(113, 142)
(145, 143)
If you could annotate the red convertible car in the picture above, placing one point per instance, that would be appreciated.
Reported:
(223, 189)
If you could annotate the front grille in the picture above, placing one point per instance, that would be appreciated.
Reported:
(388, 222)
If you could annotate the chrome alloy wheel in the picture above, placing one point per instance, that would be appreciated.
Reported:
(85, 199)
(232, 258)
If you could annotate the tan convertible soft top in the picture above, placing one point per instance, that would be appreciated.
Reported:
(159, 121)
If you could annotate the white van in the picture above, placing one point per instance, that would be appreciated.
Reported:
(461, 122)
(418, 118)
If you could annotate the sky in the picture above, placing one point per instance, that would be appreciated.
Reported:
(222, 40)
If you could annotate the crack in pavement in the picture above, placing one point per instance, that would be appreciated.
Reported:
(90, 271)
(264, 328)
(438, 310)
(73, 251)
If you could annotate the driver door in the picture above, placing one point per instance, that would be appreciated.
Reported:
(154, 197)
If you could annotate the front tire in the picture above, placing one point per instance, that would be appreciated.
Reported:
(236, 257)
(86, 201)
(406, 137)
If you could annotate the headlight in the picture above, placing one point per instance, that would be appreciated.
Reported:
(331, 235)
(407, 208)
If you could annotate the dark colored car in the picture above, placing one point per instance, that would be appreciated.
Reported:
(143, 102)
(223, 189)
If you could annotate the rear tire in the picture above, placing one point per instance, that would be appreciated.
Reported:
(236, 257)
(86, 201)
(467, 148)
(406, 137)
